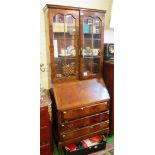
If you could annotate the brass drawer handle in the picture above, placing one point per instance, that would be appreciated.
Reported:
(62, 125)
(63, 136)
(65, 112)
(107, 121)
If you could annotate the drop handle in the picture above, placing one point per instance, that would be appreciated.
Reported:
(65, 112)
(62, 125)
(107, 121)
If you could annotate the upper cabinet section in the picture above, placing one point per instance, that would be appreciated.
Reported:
(76, 42)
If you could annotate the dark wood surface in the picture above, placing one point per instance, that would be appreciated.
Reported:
(84, 111)
(44, 116)
(79, 93)
(46, 147)
(108, 75)
(49, 6)
(83, 131)
(86, 121)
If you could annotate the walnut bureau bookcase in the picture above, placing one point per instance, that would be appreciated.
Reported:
(80, 98)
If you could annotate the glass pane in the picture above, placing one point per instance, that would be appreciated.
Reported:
(87, 66)
(64, 46)
(70, 47)
(58, 26)
(59, 63)
(97, 43)
(92, 45)
(59, 48)
(91, 66)
(70, 27)
(96, 36)
(87, 44)
(70, 68)
(97, 26)
(96, 65)
(88, 22)
(87, 30)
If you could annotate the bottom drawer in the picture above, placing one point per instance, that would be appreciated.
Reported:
(45, 150)
(86, 130)
(89, 150)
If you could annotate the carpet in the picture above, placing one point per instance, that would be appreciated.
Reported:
(108, 151)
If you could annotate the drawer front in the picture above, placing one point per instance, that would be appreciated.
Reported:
(85, 130)
(84, 111)
(86, 121)
(44, 116)
(45, 150)
(44, 135)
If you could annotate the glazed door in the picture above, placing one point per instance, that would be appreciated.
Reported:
(64, 34)
(91, 44)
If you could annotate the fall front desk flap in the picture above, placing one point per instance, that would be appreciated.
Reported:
(80, 93)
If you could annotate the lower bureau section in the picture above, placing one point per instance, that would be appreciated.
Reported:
(84, 131)
(80, 111)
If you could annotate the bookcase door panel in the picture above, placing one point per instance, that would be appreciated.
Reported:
(64, 40)
(91, 36)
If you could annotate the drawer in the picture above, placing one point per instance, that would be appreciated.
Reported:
(84, 111)
(45, 150)
(86, 121)
(89, 150)
(44, 135)
(44, 116)
(85, 130)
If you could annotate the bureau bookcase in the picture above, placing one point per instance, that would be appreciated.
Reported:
(80, 100)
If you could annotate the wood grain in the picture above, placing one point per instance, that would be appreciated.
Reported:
(80, 93)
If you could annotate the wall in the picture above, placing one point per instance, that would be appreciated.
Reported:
(109, 35)
(44, 53)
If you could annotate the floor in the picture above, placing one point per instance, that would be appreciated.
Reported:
(110, 142)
